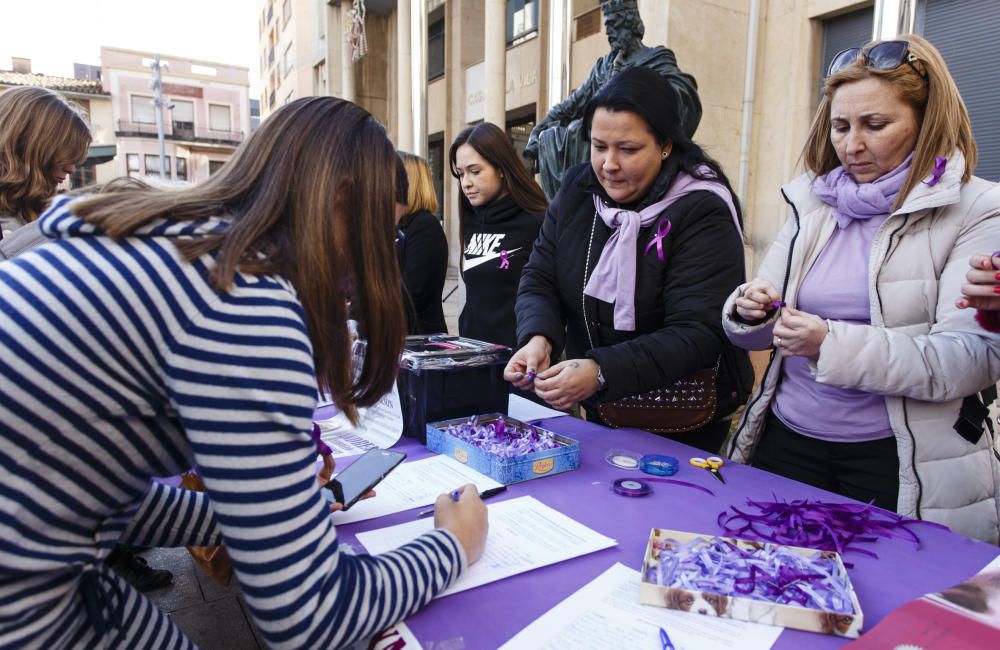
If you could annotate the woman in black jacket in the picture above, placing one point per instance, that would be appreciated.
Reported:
(636, 256)
(421, 247)
(501, 211)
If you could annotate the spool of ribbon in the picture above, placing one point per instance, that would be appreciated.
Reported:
(629, 487)
(658, 465)
(622, 458)
(663, 227)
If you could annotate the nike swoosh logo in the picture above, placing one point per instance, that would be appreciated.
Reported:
(476, 261)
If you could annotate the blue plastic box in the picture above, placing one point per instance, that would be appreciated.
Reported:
(505, 470)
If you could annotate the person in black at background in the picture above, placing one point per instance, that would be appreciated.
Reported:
(501, 212)
(421, 246)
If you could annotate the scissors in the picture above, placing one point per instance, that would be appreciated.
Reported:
(712, 464)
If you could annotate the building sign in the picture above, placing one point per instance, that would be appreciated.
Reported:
(521, 87)
(182, 90)
(475, 93)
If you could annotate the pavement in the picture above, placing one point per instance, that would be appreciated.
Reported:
(215, 617)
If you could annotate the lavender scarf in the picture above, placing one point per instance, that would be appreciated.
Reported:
(851, 200)
(613, 279)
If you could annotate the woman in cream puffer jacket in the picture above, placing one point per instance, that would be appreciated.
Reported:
(921, 352)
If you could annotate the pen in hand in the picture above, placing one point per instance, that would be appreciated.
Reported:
(486, 494)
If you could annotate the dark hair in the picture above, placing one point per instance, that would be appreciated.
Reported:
(310, 195)
(495, 147)
(646, 93)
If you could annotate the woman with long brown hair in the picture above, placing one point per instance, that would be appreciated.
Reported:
(179, 327)
(42, 140)
(501, 212)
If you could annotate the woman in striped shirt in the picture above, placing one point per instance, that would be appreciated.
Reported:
(168, 328)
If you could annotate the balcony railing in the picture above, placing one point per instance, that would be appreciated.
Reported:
(185, 134)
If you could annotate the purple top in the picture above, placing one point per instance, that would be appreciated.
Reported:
(836, 287)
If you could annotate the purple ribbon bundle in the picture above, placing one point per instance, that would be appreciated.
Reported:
(817, 524)
(766, 572)
(503, 438)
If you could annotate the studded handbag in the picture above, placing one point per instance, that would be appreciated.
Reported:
(687, 404)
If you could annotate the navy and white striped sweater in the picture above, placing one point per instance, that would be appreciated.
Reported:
(119, 362)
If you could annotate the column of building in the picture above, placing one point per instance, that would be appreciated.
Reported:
(495, 63)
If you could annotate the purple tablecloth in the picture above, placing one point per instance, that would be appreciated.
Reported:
(487, 616)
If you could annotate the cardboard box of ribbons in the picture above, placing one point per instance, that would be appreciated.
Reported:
(564, 454)
(759, 582)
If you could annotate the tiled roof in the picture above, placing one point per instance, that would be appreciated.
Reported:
(68, 84)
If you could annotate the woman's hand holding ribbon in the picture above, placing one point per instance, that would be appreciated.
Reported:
(982, 287)
(757, 300)
(799, 334)
(528, 362)
(567, 383)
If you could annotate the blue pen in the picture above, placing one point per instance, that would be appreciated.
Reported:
(456, 495)
(665, 640)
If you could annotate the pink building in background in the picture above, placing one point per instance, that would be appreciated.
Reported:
(207, 114)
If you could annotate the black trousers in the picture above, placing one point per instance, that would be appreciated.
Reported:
(864, 471)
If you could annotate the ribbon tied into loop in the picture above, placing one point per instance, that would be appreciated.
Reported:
(321, 447)
(504, 260)
(663, 227)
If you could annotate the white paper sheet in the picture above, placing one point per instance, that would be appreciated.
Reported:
(378, 426)
(413, 484)
(605, 614)
(525, 410)
(525, 534)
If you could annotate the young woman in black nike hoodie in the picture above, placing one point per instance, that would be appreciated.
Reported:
(501, 212)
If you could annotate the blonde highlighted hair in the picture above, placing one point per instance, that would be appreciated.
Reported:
(39, 132)
(421, 194)
(310, 195)
(944, 124)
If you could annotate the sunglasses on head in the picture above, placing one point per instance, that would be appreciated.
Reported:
(887, 55)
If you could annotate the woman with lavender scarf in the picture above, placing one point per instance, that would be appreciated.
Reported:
(873, 388)
(636, 255)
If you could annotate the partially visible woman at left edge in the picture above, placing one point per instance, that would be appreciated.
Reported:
(168, 328)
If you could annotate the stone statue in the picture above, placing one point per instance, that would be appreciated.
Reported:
(558, 143)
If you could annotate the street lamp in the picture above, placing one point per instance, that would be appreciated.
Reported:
(157, 85)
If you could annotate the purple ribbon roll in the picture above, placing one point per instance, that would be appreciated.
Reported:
(629, 487)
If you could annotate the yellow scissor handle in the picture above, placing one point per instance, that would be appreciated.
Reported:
(712, 462)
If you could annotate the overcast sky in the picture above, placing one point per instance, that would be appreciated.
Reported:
(55, 34)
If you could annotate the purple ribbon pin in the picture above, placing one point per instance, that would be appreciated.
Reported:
(940, 162)
(662, 229)
(321, 447)
(504, 260)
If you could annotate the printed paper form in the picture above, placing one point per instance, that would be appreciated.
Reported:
(379, 426)
(605, 614)
(525, 534)
(411, 485)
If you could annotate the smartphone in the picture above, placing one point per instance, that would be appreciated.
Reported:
(363, 474)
